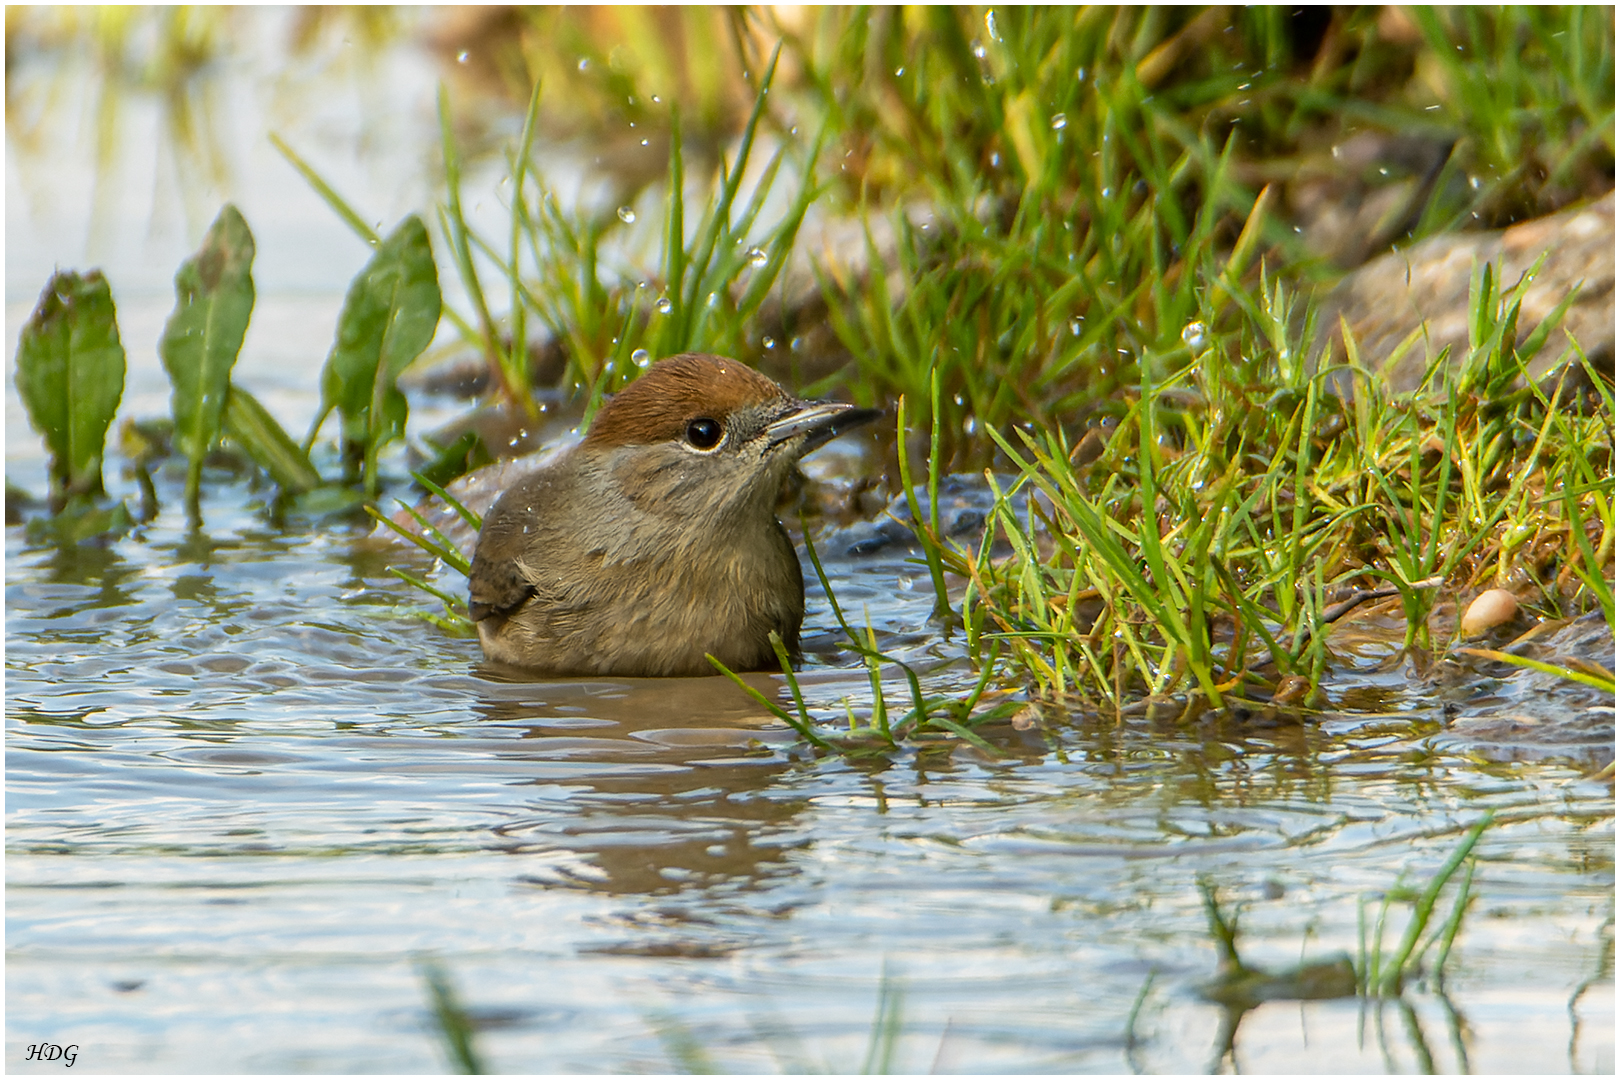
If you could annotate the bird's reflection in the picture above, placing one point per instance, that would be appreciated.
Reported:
(678, 789)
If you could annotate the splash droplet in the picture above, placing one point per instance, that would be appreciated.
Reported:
(627, 215)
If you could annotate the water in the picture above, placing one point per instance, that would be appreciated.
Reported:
(250, 797)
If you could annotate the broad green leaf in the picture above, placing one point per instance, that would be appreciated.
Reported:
(213, 303)
(389, 317)
(70, 375)
(251, 427)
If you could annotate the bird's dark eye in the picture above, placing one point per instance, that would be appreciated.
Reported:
(704, 433)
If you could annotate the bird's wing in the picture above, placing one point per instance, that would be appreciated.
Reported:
(496, 582)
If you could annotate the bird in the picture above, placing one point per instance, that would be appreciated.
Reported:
(653, 542)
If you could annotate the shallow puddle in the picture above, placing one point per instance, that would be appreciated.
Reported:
(250, 798)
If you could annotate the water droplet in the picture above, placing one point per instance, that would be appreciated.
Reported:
(970, 426)
(1074, 325)
(978, 48)
(770, 343)
(923, 226)
(995, 160)
(643, 142)
(907, 583)
(1473, 182)
(627, 215)
(990, 24)
(1079, 74)
(1107, 192)
(714, 299)
(794, 130)
(957, 398)
(1193, 335)
(656, 100)
(899, 71)
(664, 306)
(1059, 122)
(584, 63)
(796, 344)
(641, 358)
(461, 57)
(757, 256)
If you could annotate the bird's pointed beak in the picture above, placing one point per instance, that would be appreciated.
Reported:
(818, 421)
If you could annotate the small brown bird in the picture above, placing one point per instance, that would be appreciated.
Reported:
(655, 540)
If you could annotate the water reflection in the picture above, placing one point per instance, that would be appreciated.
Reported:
(254, 714)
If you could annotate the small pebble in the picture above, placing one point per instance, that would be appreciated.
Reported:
(1490, 608)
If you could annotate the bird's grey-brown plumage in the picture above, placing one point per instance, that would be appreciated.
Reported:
(642, 549)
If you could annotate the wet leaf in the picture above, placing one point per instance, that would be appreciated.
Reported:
(389, 316)
(70, 375)
(252, 427)
(213, 303)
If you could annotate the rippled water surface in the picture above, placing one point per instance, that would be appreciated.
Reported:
(250, 797)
